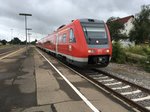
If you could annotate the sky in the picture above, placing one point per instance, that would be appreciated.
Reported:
(48, 15)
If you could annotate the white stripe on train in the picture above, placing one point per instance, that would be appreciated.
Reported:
(68, 56)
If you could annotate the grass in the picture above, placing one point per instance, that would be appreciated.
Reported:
(5, 46)
(139, 49)
(139, 54)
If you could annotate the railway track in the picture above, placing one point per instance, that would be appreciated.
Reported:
(9, 53)
(132, 94)
(9, 50)
(5, 53)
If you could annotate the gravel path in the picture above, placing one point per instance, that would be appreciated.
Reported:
(131, 73)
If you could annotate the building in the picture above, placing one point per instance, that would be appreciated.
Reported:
(128, 24)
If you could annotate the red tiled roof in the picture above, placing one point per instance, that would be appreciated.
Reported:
(125, 19)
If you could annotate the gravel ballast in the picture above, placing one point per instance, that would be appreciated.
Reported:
(130, 73)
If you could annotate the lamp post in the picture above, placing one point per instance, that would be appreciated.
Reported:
(25, 15)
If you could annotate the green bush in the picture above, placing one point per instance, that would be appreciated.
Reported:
(139, 49)
(118, 55)
(134, 58)
(146, 64)
(139, 55)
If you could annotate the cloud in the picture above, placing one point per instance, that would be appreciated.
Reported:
(50, 14)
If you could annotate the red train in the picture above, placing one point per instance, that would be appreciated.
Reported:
(83, 42)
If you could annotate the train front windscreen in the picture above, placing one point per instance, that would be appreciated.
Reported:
(95, 33)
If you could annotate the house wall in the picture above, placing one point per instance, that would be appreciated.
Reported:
(128, 26)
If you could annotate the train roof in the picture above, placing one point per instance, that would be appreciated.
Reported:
(86, 20)
(91, 21)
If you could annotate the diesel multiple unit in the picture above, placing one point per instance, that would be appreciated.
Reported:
(83, 42)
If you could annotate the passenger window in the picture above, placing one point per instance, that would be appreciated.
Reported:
(60, 39)
(64, 38)
(72, 38)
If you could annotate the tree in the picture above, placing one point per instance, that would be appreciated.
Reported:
(16, 41)
(115, 28)
(3, 42)
(141, 31)
(34, 42)
(23, 42)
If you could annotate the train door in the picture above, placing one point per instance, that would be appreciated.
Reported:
(71, 43)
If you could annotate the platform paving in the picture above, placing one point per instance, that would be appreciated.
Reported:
(53, 90)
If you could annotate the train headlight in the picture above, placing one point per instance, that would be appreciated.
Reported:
(91, 51)
(107, 51)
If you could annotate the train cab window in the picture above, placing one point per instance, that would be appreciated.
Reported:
(72, 37)
(95, 33)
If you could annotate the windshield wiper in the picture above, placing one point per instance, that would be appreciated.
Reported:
(86, 32)
(87, 37)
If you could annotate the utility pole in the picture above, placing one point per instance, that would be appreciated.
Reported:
(29, 34)
(11, 35)
(25, 15)
(29, 37)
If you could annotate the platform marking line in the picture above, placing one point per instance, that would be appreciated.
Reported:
(115, 83)
(132, 92)
(107, 80)
(141, 99)
(72, 86)
(124, 87)
(10, 54)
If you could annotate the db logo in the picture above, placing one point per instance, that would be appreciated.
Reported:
(99, 51)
